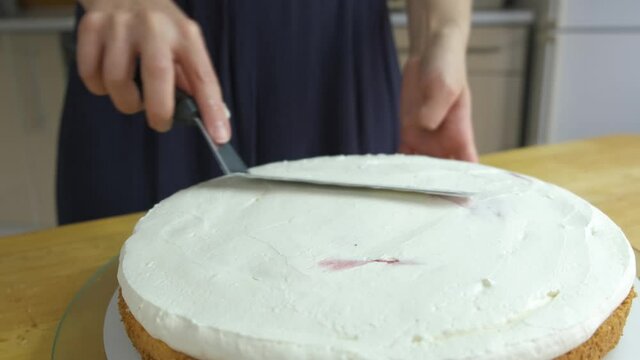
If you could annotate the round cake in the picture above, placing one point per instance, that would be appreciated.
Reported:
(237, 268)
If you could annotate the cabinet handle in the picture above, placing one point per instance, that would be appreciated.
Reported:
(483, 50)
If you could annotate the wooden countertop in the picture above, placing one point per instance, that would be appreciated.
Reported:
(40, 272)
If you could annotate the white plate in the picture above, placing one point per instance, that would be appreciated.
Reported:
(117, 345)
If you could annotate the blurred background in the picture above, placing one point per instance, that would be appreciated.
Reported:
(540, 72)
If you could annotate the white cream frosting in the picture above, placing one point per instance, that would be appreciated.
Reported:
(244, 269)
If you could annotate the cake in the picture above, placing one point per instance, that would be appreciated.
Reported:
(235, 268)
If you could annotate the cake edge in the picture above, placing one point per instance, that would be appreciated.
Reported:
(605, 338)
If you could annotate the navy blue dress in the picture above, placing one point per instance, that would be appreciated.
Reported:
(301, 77)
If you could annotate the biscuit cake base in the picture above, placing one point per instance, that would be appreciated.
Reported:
(603, 340)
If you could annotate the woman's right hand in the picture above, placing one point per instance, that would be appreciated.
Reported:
(113, 34)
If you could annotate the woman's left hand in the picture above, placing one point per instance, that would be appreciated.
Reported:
(435, 107)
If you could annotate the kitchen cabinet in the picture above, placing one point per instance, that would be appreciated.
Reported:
(32, 83)
(496, 62)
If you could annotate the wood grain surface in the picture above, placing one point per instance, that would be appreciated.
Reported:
(40, 272)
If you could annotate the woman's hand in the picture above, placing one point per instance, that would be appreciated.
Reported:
(113, 34)
(435, 106)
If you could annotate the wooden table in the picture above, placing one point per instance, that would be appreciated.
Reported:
(40, 272)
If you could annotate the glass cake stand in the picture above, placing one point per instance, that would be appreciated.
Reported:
(79, 333)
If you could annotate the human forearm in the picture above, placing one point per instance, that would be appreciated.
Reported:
(432, 20)
(436, 102)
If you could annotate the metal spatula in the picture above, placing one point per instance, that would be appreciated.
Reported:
(186, 111)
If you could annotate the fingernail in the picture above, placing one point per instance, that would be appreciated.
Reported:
(216, 108)
(220, 132)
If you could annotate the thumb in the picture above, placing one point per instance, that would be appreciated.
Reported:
(437, 103)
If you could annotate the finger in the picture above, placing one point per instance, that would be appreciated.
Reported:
(437, 104)
(157, 71)
(89, 51)
(458, 124)
(422, 141)
(119, 67)
(471, 154)
(181, 80)
(468, 154)
(197, 67)
(405, 149)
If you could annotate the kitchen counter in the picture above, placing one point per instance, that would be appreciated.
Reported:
(40, 272)
(62, 20)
